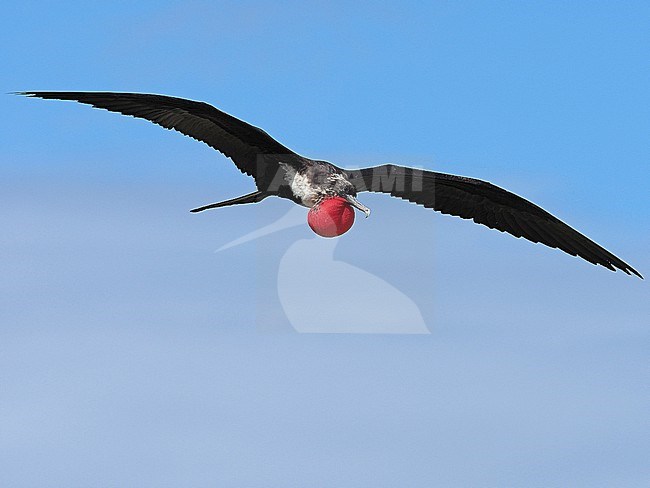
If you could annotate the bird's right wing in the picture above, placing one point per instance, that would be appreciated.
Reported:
(243, 143)
(486, 204)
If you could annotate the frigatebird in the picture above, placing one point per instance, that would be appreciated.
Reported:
(331, 192)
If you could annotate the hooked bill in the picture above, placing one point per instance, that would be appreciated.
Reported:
(331, 217)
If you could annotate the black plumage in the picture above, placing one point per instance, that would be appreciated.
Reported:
(485, 204)
(278, 171)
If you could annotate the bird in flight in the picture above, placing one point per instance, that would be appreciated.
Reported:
(331, 192)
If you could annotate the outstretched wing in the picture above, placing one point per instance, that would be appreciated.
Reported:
(486, 204)
(238, 140)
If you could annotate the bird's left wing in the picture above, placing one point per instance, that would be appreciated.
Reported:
(486, 204)
(238, 140)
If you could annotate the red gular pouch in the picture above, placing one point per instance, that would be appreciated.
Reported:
(331, 217)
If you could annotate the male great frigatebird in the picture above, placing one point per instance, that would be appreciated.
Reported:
(329, 191)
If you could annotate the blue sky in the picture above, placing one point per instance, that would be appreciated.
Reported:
(132, 354)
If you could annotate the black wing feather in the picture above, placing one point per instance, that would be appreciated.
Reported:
(486, 204)
(238, 140)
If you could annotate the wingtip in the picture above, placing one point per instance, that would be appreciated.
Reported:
(29, 94)
(636, 273)
(32, 93)
(627, 269)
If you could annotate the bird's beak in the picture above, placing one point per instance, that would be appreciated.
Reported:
(357, 204)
